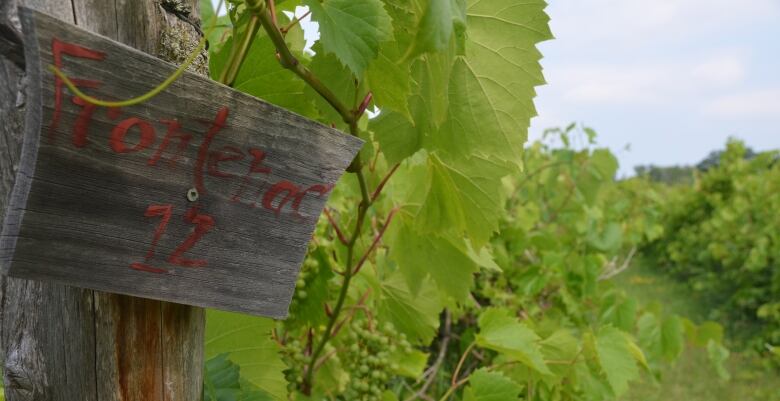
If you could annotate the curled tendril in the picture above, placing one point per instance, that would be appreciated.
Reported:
(155, 91)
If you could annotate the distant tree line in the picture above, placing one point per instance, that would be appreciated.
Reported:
(683, 175)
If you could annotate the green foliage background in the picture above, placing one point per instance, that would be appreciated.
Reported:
(726, 243)
(452, 263)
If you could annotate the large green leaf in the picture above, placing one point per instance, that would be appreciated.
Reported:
(352, 30)
(416, 315)
(390, 81)
(435, 29)
(492, 87)
(501, 332)
(246, 340)
(616, 358)
(491, 386)
(446, 259)
(464, 197)
(401, 134)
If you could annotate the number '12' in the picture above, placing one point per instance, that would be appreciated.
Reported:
(203, 223)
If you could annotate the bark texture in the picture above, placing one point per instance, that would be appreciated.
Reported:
(69, 344)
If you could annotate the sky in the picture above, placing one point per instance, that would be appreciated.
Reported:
(672, 78)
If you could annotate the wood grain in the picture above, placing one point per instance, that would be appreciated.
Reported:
(59, 342)
(96, 196)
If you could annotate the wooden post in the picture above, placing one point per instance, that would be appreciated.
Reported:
(69, 344)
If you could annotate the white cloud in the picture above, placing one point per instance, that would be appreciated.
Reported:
(748, 104)
(721, 70)
(631, 23)
(648, 83)
(609, 83)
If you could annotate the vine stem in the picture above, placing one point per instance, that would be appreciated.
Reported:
(454, 387)
(294, 22)
(460, 362)
(289, 62)
(239, 52)
(335, 226)
(262, 10)
(377, 238)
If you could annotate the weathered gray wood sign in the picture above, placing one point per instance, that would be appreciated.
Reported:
(201, 195)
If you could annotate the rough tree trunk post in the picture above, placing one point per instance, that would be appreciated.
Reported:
(64, 343)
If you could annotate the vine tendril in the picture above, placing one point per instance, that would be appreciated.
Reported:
(155, 91)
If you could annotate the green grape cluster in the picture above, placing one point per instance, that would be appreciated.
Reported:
(296, 359)
(368, 359)
(308, 272)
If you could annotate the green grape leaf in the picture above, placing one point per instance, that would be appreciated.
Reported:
(416, 315)
(337, 78)
(430, 92)
(247, 342)
(404, 17)
(491, 386)
(400, 135)
(501, 332)
(398, 138)
(707, 331)
(492, 87)
(609, 240)
(445, 259)
(220, 376)
(616, 359)
(352, 30)
(484, 259)
(620, 311)
(222, 382)
(672, 337)
(562, 347)
(464, 197)
(410, 365)
(389, 80)
(604, 164)
(435, 29)
(637, 353)
(649, 335)
(262, 76)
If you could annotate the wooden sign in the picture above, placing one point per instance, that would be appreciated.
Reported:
(201, 195)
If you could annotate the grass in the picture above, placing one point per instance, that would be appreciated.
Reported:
(691, 378)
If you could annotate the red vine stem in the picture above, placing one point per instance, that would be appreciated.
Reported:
(377, 238)
(294, 22)
(364, 104)
(272, 9)
(381, 185)
(336, 228)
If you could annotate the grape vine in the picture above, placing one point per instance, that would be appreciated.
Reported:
(452, 262)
